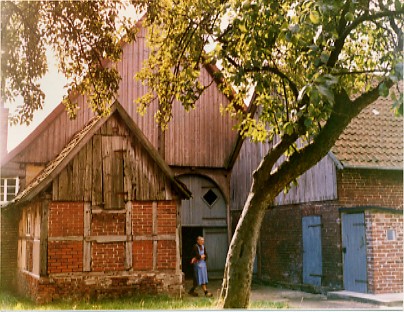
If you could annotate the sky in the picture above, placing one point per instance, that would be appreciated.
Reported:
(52, 85)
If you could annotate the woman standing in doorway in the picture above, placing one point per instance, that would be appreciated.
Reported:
(199, 258)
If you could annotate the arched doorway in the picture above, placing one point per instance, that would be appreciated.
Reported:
(204, 214)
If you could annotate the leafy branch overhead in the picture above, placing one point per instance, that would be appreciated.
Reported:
(308, 66)
(296, 55)
(312, 66)
(82, 34)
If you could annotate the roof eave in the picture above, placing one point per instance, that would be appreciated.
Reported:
(375, 167)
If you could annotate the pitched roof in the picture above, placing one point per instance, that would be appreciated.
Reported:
(78, 141)
(374, 139)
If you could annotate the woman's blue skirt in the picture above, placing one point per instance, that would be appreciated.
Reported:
(201, 273)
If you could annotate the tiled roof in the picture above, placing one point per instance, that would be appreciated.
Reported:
(374, 139)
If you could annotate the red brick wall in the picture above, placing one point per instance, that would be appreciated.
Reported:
(9, 247)
(108, 256)
(381, 188)
(384, 257)
(108, 224)
(66, 219)
(65, 253)
(281, 244)
(142, 218)
(142, 255)
(64, 257)
(142, 225)
(281, 233)
(166, 217)
(29, 255)
(166, 255)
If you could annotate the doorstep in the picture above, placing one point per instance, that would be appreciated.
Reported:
(390, 300)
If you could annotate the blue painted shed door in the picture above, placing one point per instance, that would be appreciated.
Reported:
(354, 252)
(312, 251)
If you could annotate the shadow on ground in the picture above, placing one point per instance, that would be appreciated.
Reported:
(295, 299)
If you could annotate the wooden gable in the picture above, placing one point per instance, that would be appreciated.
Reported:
(113, 167)
(201, 138)
(106, 163)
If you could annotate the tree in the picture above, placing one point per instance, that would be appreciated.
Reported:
(312, 66)
(82, 35)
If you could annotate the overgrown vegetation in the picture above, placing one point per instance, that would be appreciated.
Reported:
(148, 302)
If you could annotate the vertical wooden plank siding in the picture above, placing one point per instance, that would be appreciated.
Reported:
(107, 170)
(202, 137)
(88, 174)
(129, 239)
(317, 184)
(43, 266)
(86, 242)
(97, 193)
(111, 168)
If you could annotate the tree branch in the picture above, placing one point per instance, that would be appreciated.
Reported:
(344, 111)
(339, 43)
(277, 72)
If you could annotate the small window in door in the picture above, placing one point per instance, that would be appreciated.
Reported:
(210, 197)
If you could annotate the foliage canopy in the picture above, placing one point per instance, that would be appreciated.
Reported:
(81, 34)
(295, 55)
(309, 66)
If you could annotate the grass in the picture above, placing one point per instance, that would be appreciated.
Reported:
(148, 302)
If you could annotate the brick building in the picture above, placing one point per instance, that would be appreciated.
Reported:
(343, 229)
(95, 224)
(101, 206)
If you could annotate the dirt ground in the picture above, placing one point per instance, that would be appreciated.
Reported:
(296, 299)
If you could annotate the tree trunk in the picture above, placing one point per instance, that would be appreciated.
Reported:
(266, 186)
(240, 258)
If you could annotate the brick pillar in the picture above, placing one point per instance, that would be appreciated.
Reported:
(3, 131)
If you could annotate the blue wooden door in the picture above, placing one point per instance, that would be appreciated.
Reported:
(312, 251)
(354, 252)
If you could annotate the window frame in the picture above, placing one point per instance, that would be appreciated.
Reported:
(5, 189)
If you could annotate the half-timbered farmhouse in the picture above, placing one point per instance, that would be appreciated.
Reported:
(342, 226)
(111, 205)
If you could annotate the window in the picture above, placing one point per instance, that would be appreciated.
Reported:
(391, 235)
(210, 197)
(8, 189)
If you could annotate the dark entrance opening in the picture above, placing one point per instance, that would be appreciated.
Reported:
(189, 235)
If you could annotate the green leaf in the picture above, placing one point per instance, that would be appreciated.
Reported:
(383, 90)
(314, 17)
(349, 17)
(242, 28)
(326, 92)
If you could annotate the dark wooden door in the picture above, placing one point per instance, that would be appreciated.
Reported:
(207, 210)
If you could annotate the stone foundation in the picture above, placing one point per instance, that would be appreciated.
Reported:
(93, 286)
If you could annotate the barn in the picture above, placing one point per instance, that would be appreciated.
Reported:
(342, 226)
(59, 231)
(111, 206)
